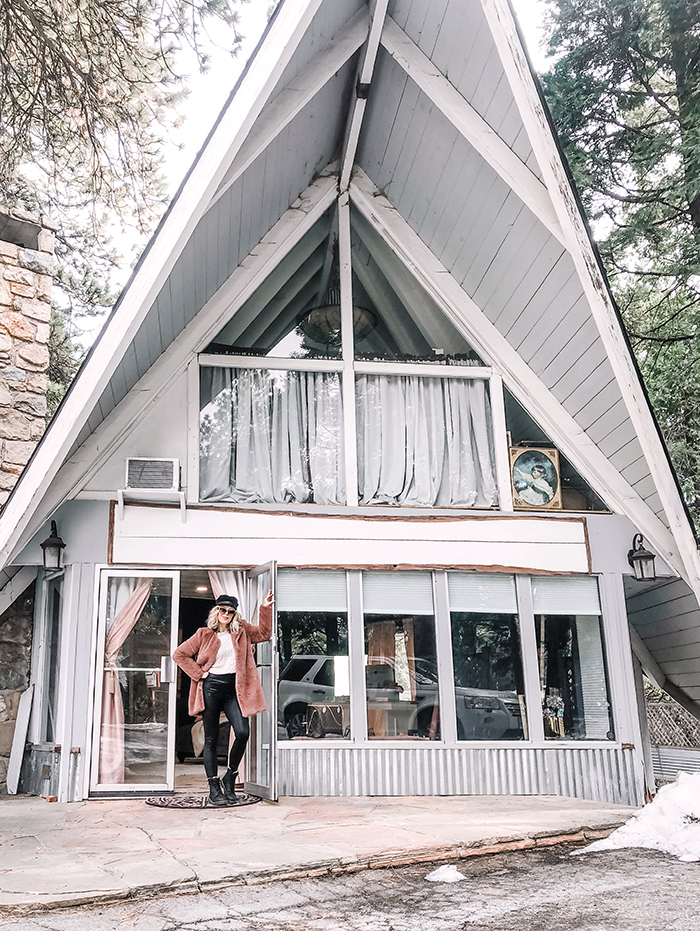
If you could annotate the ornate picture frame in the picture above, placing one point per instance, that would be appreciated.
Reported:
(541, 490)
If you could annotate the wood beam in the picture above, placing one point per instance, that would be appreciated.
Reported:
(242, 284)
(359, 103)
(505, 34)
(11, 591)
(471, 126)
(292, 100)
(492, 346)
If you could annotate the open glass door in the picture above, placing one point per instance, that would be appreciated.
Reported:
(133, 748)
(262, 748)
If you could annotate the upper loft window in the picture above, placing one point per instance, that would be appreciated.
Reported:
(299, 370)
(575, 492)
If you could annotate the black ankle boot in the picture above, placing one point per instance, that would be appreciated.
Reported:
(216, 796)
(228, 784)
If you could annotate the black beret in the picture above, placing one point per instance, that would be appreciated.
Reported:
(228, 601)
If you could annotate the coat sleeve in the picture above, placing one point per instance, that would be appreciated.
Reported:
(264, 630)
(185, 653)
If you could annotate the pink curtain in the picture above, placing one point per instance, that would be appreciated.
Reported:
(112, 722)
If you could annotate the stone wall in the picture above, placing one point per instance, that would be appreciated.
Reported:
(26, 270)
(15, 661)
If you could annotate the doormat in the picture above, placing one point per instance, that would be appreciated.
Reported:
(199, 801)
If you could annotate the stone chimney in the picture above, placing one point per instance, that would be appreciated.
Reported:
(26, 276)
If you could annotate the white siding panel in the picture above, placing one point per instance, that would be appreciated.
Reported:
(677, 640)
(538, 345)
(327, 22)
(627, 455)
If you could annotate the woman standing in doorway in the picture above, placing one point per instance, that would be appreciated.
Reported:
(219, 661)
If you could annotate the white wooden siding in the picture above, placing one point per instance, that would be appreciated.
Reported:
(248, 537)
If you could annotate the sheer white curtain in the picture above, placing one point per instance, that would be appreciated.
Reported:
(271, 436)
(424, 441)
(235, 582)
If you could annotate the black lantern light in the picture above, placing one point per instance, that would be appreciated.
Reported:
(641, 560)
(52, 547)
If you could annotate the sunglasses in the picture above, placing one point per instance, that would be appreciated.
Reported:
(230, 611)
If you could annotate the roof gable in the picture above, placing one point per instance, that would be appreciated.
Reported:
(452, 168)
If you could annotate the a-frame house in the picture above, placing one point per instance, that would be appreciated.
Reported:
(369, 357)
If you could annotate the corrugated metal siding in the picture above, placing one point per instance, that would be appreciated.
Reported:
(668, 762)
(604, 775)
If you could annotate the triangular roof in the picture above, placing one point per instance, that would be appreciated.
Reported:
(425, 113)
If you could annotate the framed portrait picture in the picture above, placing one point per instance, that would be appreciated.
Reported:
(534, 476)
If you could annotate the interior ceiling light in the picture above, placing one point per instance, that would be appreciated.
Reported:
(202, 588)
(322, 324)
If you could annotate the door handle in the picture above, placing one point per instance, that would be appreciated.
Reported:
(167, 669)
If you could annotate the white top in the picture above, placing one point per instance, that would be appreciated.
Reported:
(226, 658)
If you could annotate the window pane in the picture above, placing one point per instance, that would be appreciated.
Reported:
(401, 671)
(489, 685)
(573, 678)
(424, 441)
(314, 685)
(271, 436)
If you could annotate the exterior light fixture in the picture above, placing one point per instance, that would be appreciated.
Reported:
(52, 547)
(641, 560)
(202, 588)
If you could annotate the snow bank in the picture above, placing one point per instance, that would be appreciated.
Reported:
(670, 823)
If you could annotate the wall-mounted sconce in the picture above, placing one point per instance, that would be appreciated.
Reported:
(641, 560)
(52, 548)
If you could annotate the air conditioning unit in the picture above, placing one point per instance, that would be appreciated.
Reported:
(160, 474)
(151, 479)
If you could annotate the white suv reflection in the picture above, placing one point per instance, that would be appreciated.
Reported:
(482, 714)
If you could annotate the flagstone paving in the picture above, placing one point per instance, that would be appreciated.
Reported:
(106, 850)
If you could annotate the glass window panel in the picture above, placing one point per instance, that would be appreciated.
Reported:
(486, 654)
(54, 593)
(389, 592)
(271, 436)
(477, 591)
(401, 672)
(565, 595)
(395, 319)
(314, 683)
(425, 441)
(274, 320)
(145, 729)
(573, 677)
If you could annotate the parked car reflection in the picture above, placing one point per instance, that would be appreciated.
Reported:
(308, 681)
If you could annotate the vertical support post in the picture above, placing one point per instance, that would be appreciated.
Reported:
(356, 651)
(347, 328)
(626, 714)
(443, 642)
(500, 443)
(531, 671)
(193, 432)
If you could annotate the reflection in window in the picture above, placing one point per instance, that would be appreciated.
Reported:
(314, 683)
(489, 686)
(401, 672)
(572, 667)
(271, 436)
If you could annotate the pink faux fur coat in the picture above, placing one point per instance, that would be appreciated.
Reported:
(198, 654)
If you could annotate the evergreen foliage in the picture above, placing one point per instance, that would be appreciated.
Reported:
(624, 92)
(88, 93)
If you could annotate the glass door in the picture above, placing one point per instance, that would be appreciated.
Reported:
(134, 724)
(262, 748)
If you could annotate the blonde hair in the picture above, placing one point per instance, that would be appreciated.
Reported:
(213, 620)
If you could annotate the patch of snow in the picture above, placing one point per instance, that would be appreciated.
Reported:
(445, 874)
(671, 823)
